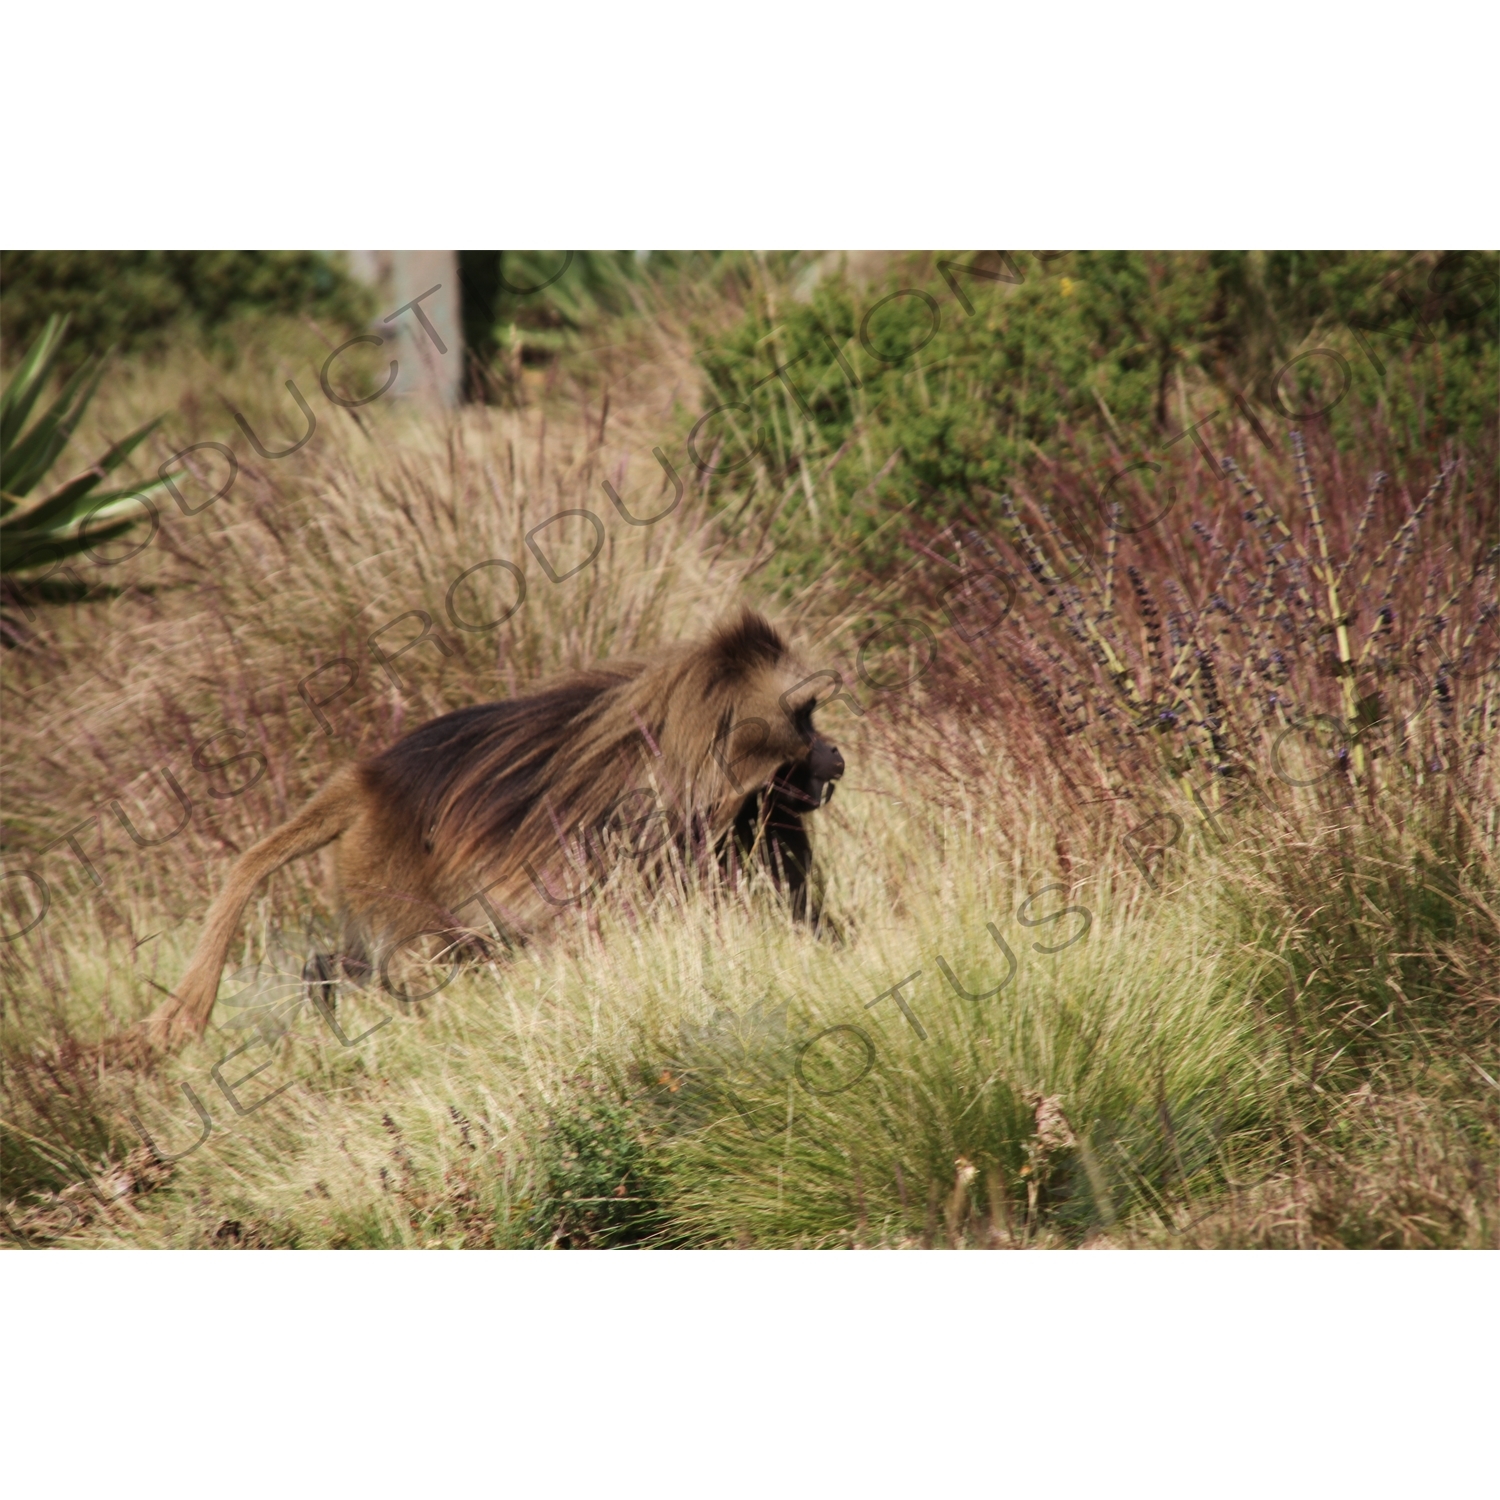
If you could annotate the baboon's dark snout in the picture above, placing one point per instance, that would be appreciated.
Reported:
(824, 761)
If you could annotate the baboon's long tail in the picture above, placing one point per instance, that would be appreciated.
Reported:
(185, 1013)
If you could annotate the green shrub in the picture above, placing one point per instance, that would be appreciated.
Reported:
(599, 1173)
(936, 391)
(142, 299)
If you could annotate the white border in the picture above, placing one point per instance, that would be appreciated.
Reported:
(747, 1373)
(807, 125)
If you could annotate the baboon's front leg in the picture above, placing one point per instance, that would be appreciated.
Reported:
(318, 974)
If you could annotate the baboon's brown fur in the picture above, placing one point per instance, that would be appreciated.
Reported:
(510, 800)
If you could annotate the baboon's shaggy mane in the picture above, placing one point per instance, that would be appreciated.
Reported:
(479, 771)
(751, 641)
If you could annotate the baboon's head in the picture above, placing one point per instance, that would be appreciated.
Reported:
(763, 699)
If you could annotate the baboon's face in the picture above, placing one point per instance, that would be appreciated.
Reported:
(824, 763)
(775, 732)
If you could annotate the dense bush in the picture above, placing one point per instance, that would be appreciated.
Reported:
(600, 1179)
(936, 389)
(141, 299)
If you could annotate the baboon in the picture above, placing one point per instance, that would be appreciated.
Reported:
(511, 808)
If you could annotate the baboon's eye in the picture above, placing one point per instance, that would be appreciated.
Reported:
(802, 719)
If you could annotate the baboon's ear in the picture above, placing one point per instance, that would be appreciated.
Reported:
(744, 644)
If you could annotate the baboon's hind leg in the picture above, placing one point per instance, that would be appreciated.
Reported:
(354, 954)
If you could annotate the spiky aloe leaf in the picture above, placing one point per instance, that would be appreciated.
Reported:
(67, 504)
(22, 389)
(27, 461)
(49, 529)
